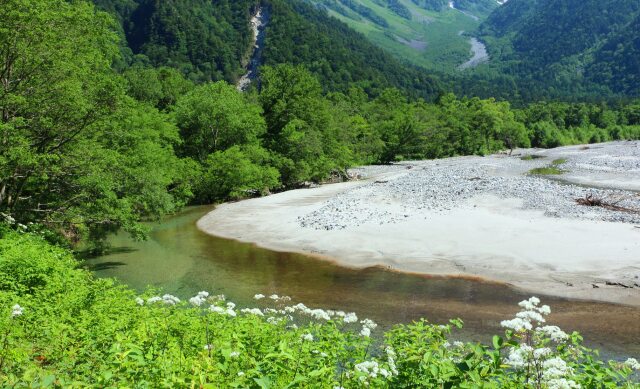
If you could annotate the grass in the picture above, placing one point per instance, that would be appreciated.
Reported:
(552, 169)
(546, 171)
(531, 157)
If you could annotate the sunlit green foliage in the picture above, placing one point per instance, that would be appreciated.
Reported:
(78, 155)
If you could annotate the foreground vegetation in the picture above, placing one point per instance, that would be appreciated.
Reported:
(59, 326)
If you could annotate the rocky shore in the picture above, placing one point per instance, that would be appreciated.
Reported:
(488, 217)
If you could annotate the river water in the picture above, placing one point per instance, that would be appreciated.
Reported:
(182, 260)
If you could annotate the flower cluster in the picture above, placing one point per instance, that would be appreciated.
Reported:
(252, 311)
(632, 363)
(525, 320)
(199, 299)
(555, 372)
(369, 370)
(367, 326)
(533, 354)
(167, 299)
(228, 309)
(16, 311)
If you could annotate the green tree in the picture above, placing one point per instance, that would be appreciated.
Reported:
(237, 172)
(75, 153)
(214, 117)
(297, 117)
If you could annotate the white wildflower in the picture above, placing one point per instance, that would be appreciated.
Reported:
(530, 304)
(632, 363)
(519, 357)
(555, 368)
(517, 324)
(391, 359)
(208, 347)
(541, 352)
(217, 309)
(252, 311)
(458, 344)
(154, 299)
(234, 354)
(241, 374)
(230, 305)
(365, 331)
(350, 317)
(562, 383)
(196, 301)
(368, 323)
(139, 301)
(370, 368)
(554, 333)
(274, 297)
(16, 310)
(530, 316)
(446, 344)
(170, 299)
(8, 218)
(319, 314)
(258, 296)
(307, 337)
(323, 355)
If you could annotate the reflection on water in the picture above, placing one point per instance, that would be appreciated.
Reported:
(182, 260)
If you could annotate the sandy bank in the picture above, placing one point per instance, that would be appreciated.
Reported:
(468, 216)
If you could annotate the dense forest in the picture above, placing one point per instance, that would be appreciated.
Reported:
(566, 48)
(209, 41)
(91, 148)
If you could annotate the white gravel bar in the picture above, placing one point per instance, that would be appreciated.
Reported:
(468, 216)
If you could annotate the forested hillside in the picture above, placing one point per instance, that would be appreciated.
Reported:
(567, 48)
(427, 33)
(209, 41)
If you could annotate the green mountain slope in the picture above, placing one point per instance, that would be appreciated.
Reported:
(617, 62)
(427, 33)
(571, 46)
(211, 40)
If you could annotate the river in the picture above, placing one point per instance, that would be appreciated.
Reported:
(182, 260)
(479, 54)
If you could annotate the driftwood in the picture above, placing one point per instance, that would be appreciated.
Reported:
(610, 202)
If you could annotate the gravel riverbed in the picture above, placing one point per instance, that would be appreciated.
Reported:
(446, 184)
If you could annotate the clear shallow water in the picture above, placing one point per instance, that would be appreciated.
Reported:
(182, 260)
